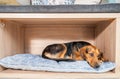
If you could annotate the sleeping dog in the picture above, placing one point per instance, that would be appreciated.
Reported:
(79, 50)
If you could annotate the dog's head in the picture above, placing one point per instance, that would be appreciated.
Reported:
(91, 54)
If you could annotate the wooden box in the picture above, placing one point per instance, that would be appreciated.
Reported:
(31, 33)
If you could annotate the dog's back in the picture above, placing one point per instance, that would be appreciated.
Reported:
(63, 52)
(79, 50)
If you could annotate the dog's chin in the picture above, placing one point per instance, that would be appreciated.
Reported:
(97, 65)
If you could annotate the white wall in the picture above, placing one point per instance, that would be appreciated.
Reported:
(118, 1)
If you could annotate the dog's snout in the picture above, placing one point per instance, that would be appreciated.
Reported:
(97, 65)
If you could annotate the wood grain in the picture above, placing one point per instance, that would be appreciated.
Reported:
(11, 39)
(31, 33)
(59, 15)
(54, 75)
(117, 47)
(60, 21)
(105, 38)
(37, 37)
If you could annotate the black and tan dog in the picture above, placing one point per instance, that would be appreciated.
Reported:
(79, 50)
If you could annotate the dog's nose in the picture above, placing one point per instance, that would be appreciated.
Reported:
(97, 66)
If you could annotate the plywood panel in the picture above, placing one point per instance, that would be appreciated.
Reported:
(20, 74)
(10, 39)
(117, 47)
(37, 37)
(105, 38)
(59, 15)
(57, 21)
(1, 39)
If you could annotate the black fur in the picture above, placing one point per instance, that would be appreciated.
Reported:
(54, 48)
(71, 46)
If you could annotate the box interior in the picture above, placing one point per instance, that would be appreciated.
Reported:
(30, 35)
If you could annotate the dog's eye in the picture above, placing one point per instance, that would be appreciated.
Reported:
(91, 54)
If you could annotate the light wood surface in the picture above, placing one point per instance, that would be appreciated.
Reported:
(31, 32)
(37, 37)
(59, 15)
(11, 39)
(117, 46)
(105, 38)
(61, 21)
(54, 75)
(2, 68)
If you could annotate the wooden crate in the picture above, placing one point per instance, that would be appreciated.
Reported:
(31, 33)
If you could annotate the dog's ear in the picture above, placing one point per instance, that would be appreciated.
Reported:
(87, 50)
(82, 55)
(101, 57)
(99, 51)
(101, 54)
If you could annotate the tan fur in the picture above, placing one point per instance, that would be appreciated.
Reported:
(8, 2)
(92, 60)
(63, 52)
(89, 53)
(77, 56)
(59, 55)
(56, 56)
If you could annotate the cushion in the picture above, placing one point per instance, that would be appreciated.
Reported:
(24, 2)
(39, 2)
(87, 1)
(52, 2)
(35, 62)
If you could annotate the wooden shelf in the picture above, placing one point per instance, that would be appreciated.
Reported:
(59, 15)
(9, 73)
(26, 31)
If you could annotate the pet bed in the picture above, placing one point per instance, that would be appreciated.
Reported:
(35, 62)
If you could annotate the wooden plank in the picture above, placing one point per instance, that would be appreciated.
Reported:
(117, 47)
(1, 39)
(105, 38)
(57, 21)
(59, 15)
(2, 68)
(10, 39)
(53, 75)
(2, 27)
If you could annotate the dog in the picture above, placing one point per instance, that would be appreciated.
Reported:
(73, 51)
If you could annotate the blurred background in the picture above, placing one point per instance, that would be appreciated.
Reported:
(29, 2)
(110, 1)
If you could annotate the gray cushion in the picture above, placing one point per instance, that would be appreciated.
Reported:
(37, 63)
(103, 8)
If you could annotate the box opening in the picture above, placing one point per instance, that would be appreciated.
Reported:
(33, 35)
